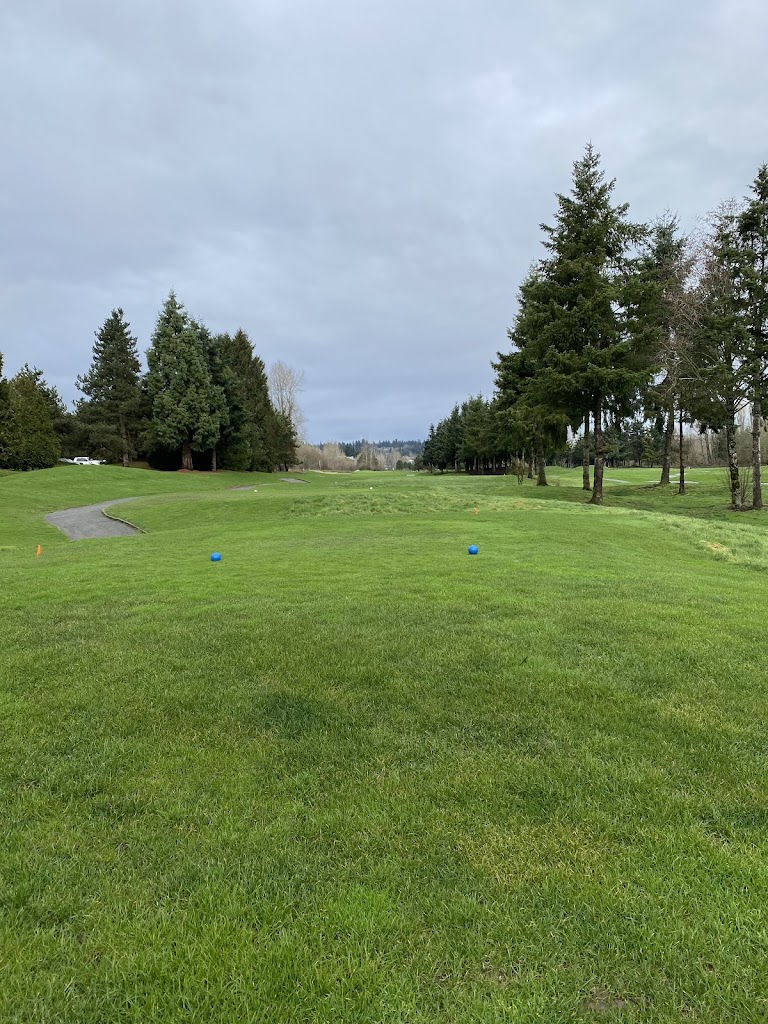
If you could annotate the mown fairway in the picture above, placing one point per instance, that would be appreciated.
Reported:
(351, 774)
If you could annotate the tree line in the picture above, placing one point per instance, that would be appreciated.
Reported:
(622, 323)
(347, 457)
(476, 438)
(354, 448)
(203, 403)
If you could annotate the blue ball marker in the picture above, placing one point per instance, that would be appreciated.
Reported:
(215, 557)
(472, 549)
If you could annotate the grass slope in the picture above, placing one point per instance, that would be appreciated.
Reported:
(352, 774)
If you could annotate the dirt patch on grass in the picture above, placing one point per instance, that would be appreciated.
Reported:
(600, 1000)
(498, 976)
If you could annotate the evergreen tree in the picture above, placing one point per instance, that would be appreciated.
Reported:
(112, 386)
(66, 426)
(186, 405)
(653, 447)
(591, 349)
(282, 441)
(635, 441)
(605, 332)
(263, 433)
(451, 457)
(453, 437)
(429, 455)
(474, 446)
(721, 385)
(234, 451)
(753, 236)
(514, 370)
(27, 437)
(221, 388)
(617, 446)
(507, 440)
(538, 423)
(5, 401)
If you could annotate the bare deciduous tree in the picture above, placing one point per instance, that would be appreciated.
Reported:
(285, 385)
(327, 457)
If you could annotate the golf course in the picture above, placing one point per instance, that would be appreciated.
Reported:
(350, 773)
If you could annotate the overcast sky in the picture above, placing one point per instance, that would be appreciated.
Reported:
(356, 183)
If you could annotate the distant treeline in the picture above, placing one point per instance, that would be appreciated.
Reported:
(354, 448)
(475, 438)
(204, 403)
(331, 457)
(628, 335)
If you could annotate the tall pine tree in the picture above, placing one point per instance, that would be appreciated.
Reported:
(234, 450)
(753, 236)
(723, 378)
(5, 402)
(219, 386)
(186, 405)
(537, 421)
(112, 386)
(264, 434)
(591, 357)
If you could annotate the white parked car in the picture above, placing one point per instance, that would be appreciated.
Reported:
(82, 460)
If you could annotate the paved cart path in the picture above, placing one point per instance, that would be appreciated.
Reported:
(89, 521)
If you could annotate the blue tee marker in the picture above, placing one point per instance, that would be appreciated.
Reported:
(215, 557)
(472, 549)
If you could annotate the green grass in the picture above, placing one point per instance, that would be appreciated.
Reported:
(352, 774)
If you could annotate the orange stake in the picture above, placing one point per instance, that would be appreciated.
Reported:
(39, 551)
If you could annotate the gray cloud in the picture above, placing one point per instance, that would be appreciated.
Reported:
(358, 186)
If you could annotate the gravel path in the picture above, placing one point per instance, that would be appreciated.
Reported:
(89, 522)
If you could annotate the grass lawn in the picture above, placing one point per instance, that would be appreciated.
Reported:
(351, 774)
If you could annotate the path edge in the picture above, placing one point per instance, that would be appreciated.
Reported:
(125, 522)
